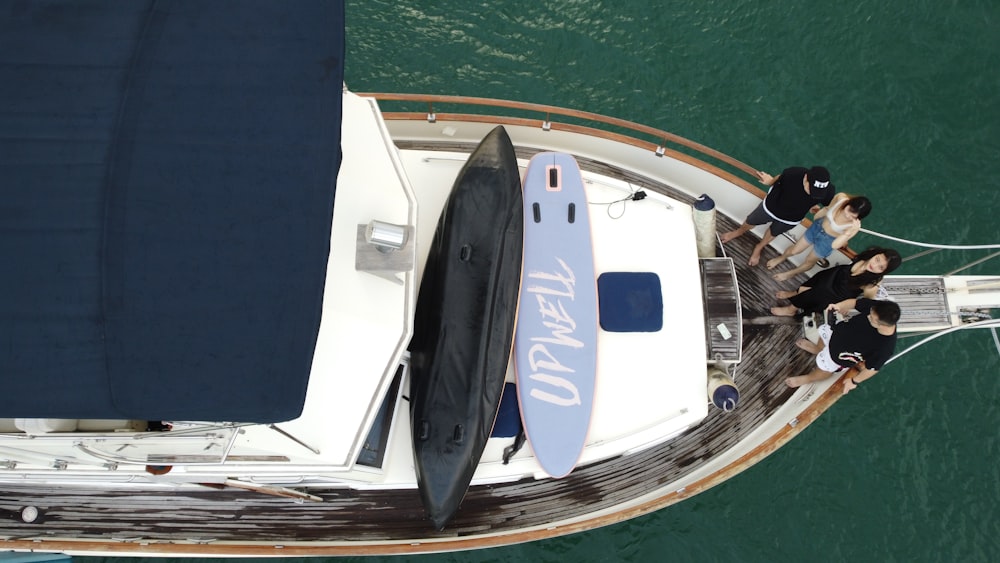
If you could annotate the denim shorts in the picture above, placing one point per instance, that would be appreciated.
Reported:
(821, 241)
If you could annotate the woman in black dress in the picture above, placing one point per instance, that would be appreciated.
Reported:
(847, 281)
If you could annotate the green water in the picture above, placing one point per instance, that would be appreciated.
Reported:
(901, 100)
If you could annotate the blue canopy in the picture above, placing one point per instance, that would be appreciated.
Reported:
(167, 177)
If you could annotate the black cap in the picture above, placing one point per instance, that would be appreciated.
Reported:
(819, 182)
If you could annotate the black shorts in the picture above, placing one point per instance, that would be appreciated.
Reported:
(759, 217)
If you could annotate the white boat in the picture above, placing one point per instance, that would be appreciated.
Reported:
(337, 476)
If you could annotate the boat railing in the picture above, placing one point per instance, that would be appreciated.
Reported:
(191, 446)
(660, 142)
(207, 448)
(932, 248)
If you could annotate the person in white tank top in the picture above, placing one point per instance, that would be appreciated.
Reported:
(833, 213)
(833, 227)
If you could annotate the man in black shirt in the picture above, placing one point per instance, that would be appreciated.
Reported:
(865, 341)
(794, 192)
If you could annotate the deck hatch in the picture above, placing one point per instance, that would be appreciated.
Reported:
(630, 301)
(723, 320)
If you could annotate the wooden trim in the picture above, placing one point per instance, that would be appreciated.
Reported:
(431, 99)
(582, 130)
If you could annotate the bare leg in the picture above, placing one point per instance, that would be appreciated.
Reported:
(790, 294)
(755, 255)
(809, 262)
(787, 311)
(799, 246)
(815, 375)
(726, 237)
(809, 346)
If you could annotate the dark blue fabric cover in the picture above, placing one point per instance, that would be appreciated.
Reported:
(630, 301)
(508, 423)
(167, 176)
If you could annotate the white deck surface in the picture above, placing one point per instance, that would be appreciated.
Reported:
(365, 323)
(654, 381)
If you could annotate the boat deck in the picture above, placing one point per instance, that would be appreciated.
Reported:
(353, 515)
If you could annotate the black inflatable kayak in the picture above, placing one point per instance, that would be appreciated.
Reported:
(464, 325)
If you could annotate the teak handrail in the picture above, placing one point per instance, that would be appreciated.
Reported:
(548, 110)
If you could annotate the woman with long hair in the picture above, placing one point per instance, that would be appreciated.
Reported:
(833, 226)
(847, 281)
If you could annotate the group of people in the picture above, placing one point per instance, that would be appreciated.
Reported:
(865, 341)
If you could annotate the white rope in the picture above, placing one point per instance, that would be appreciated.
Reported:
(928, 245)
(990, 323)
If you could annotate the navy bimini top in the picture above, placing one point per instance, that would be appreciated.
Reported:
(167, 177)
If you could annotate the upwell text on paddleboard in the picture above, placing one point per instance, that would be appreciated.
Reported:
(550, 288)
